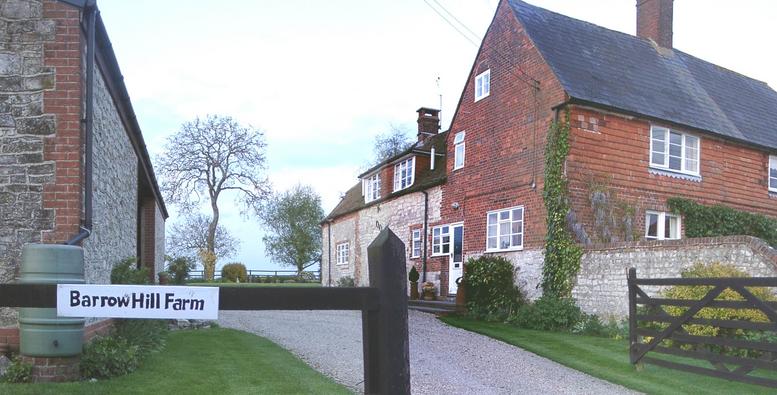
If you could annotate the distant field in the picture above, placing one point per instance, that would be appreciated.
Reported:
(251, 285)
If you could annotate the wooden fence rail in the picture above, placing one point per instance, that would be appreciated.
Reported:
(737, 353)
(383, 306)
(254, 275)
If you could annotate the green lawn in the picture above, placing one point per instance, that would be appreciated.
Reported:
(252, 285)
(605, 358)
(211, 361)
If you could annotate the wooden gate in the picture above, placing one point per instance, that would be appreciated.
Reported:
(742, 350)
(383, 307)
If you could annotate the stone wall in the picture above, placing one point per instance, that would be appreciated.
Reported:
(343, 230)
(23, 128)
(114, 229)
(601, 284)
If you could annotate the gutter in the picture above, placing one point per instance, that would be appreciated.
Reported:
(426, 234)
(90, 17)
(329, 246)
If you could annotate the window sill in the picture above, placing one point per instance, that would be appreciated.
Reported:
(341, 264)
(675, 174)
(402, 189)
(438, 255)
(504, 250)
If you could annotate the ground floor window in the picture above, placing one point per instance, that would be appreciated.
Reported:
(416, 244)
(504, 229)
(661, 226)
(441, 240)
(342, 253)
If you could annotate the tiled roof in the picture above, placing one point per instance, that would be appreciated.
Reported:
(603, 67)
(425, 178)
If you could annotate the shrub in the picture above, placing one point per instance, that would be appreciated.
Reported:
(708, 221)
(17, 372)
(592, 325)
(234, 272)
(148, 335)
(490, 287)
(346, 281)
(548, 313)
(413, 276)
(128, 272)
(110, 356)
(306, 277)
(179, 268)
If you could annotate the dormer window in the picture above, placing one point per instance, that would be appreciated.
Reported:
(773, 173)
(404, 174)
(371, 187)
(483, 85)
(459, 151)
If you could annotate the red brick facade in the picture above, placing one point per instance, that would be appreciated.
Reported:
(65, 101)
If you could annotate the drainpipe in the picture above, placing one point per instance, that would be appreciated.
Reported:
(426, 234)
(90, 11)
(329, 253)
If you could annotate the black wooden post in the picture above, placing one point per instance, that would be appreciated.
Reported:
(384, 331)
(630, 278)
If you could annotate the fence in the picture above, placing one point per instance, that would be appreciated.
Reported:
(383, 306)
(255, 276)
(740, 349)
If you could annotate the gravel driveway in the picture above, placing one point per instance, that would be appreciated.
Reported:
(443, 359)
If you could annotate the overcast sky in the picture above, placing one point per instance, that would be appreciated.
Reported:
(322, 78)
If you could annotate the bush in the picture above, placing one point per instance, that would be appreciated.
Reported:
(234, 272)
(548, 313)
(708, 221)
(110, 356)
(592, 325)
(346, 281)
(306, 277)
(148, 335)
(17, 372)
(127, 272)
(413, 276)
(491, 291)
(179, 268)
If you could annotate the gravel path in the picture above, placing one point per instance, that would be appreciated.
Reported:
(443, 359)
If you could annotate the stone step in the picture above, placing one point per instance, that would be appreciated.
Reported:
(439, 307)
(432, 310)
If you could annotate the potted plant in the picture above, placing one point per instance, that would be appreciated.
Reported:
(164, 278)
(429, 290)
(413, 277)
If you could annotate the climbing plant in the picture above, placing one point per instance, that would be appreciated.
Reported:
(709, 221)
(562, 254)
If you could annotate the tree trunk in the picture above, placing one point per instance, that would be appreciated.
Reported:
(209, 265)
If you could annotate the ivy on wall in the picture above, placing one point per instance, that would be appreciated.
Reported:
(562, 254)
(710, 221)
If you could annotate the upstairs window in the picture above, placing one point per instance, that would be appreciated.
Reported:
(403, 174)
(341, 251)
(371, 186)
(458, 141)
(441, 240)
(661, 226)
(416, 244)
(773, 173)
(504, 229)
(483, 85)
(674, 151)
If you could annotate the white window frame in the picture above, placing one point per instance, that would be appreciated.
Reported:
(371, 186)
(499, 221)
(660, 226)
(342, 253)
(772, 178)
(458, 157)
(439, 233)
(684, 148)
(415, 251)
(408, 166)
(483, 85)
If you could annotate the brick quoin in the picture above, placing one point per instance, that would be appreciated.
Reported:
(64, 101)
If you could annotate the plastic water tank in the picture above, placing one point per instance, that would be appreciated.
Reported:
(41, 332)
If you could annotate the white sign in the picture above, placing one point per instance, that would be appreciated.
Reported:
(137, 301)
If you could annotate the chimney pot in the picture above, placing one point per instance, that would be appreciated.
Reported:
(428, 122)
(654, 21)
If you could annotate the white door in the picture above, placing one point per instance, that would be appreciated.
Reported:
(456, 265)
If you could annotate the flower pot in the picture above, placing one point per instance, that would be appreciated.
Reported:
(164, 278)
(414, 290)
(429, 291)
(461, 300)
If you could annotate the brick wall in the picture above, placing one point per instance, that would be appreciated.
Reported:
(505, 140)
(611, 152)
(601, 284)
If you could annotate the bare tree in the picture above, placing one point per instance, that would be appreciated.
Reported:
(390, 144)
(189, 238)
(209, 157)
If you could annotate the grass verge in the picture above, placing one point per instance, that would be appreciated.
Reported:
(210, 361)
(604, 358)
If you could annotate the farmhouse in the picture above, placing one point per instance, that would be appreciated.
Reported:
(73, 164)
(648, 122)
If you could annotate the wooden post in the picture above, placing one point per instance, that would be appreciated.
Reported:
(384, 331)
(630, 278)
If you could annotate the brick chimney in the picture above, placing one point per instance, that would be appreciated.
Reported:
(654, 21)
(428, 122)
